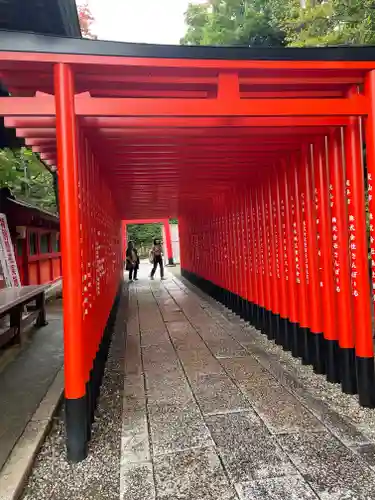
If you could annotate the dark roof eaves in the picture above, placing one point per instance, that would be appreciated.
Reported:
(11, 41)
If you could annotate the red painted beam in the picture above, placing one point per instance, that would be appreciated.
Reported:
(212, 80)
(45, 141)
(291, 94)
(176, 122)
(88, 106)
(149, 93)
(144, 221)
(218, 121)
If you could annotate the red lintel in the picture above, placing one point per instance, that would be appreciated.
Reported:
(89, 106)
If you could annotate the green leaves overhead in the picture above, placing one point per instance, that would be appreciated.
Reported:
(27, 178)
(232, 22)
(280, 22)
(143, 234)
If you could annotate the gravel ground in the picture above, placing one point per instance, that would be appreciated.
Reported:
(97, 477)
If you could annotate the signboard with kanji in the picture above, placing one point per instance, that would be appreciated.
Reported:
(7, 257)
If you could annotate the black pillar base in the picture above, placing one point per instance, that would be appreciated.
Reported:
(237, 304)
(80, 413)
(230, 300)
(263, 321)
(348, 373)
(332, 361)
(76, 422)
(171, 262)
(226, 298)
(256, 316)
(233, 302)
(277, 329)
(293, 339)
(270, 325)
(243, 310)
(283, 331)
(317, 344)
(366, 381)
(304, 346)
(249, 312)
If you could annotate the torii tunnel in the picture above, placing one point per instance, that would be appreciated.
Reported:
(258, 153)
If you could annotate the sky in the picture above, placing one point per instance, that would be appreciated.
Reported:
(148, 21)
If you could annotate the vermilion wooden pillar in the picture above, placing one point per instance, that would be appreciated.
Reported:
(340, 252)
(290, 259)
(243, 256)
(227, 256)
(223, 255)
(232, 253)
(360, 285)
(124, 239)
(262, 323)
(248, 258)
(236, 256)
(227, 262)
(302, 167)
(326, 263)
(67, 147)
(274, 262)
(280, 244)
(315, 300)
(264, 214)
(253, 259)
(237, 253)
(364, 342)
(168, 242)
(299, 252)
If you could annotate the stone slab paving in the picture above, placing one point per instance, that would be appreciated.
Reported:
(197, 405)
(214, 411)
(97, 477)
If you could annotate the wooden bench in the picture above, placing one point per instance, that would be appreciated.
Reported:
(13, 302)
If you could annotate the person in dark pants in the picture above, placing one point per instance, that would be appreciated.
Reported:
(132, 261)
(156, 258)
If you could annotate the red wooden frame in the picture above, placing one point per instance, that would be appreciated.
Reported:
(47, 264)
(245, 152)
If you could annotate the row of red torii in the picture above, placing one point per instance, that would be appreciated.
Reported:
(259, 154)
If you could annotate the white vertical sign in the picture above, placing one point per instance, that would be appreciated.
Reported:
(7, 256)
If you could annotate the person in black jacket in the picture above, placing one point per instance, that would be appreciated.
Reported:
(132, 261)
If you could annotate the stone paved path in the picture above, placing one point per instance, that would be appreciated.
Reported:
(213, 411)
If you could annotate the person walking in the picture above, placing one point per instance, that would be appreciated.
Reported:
(156, 258)
(132, 261)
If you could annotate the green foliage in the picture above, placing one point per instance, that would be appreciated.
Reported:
(27, 178)
(233, 22)
(143, 234)
(335, 22)
(280, 22)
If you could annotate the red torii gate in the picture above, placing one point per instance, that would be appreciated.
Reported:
(167, 231)
(259, 155)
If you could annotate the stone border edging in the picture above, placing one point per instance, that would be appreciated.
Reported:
(17, 468)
